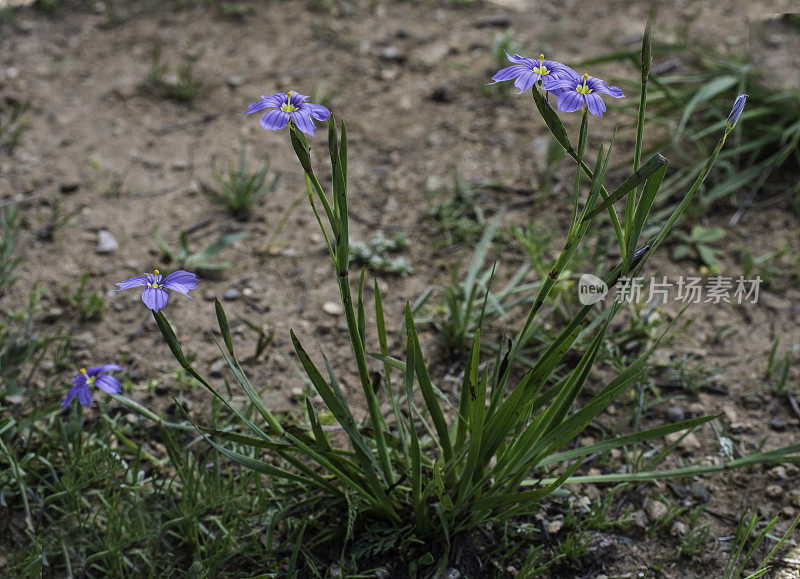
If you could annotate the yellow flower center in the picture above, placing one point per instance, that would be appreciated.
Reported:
(541, 69)
(582, 88)
(154, 285)
(288, 107)
(89, 379)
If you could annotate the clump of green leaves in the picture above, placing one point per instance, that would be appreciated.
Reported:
(21, 347)
(747, 541)
(183, 88)
(201, 258)
(699, 242)
(694, 542)
(88, 305)
(12, 122)
(115, 187)
(458, 218)
(9, 238)
(54, 219)
(376, 253)
(779, 365)
(468, 303)
(238, 189)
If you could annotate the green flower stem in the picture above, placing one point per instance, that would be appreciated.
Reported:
(630, 202)
(339, 225)
(604, 194)
(376, 418)
(659, 238)
(559, 132)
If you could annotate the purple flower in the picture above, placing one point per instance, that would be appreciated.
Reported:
(529, 71)
(155, 295)
(287, 107)
(82, 384)
(575, 92)
(738, 107)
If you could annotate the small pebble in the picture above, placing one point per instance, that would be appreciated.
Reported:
(752, 402)
(788, 512)
(554, 526)
(639, 519)
(235, 80)
(230, 294)
(697, 409)
(778, 473)
(106, 242)
(699, 490)
(332, 308)
(69, 186)
(674, 413)
(84, 340)
(217, 368)
(678, 529)
(777, 424)
(655, 510)
(690, 442)
(453, 573)
(774, 491)
(391, 53)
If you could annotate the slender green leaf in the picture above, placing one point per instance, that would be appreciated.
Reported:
(653, 164)
(427, 389)
(224, 328)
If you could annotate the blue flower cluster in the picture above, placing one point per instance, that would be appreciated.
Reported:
(572, 91)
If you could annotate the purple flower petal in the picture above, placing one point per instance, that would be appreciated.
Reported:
(185, 278)
(551, 83)
(259, 105)
(155, 298)
(517, 59)
(298, 99)
(509, 73)
(318, 111)
(275, 120)
(132, 282)
(95, 370)
(85, 396)
(180, 288)
(73, 392)
(526, 81)
(600, 86)
(303, 121)
(595, 104)
(569, 101)
(108, 384)
(563, 71)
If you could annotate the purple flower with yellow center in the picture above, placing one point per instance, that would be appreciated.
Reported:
(155, 294)
(529, 71)
(286, 107)
(83, 381)
(575, 92)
